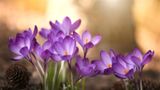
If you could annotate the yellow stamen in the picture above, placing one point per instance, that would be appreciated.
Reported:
(86, 40)
(109, 65)
(125, 71)
(65, 52)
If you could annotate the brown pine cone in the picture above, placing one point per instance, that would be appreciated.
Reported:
(17, 76)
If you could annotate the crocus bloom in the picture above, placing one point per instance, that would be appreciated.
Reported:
(140, 60)
(23, 43)
(67, 27)
(43, 52)
(66, 48)
(86, 41)
(122, 69)
(105, 64)
(84, 67)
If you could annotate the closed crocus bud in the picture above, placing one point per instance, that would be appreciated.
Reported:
(17, 76)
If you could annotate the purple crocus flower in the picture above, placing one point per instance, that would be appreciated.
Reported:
(67, 27)
(65, 48)
(23, 43)
(105, 64)
(86, 41)
(44, 51)
(140, 60)
(84, 67)
(122, 69)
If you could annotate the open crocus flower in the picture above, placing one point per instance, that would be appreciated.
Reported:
(140, 60)
(84, 67)
(66, 48)
(23, 44)
(122, 69)
(105, 64)
(86, 41)
(67, 27)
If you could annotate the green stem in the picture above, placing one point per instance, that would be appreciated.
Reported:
(45, 81)
(83, 84)
(54, 77)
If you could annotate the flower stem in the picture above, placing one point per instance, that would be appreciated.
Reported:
(54, 77)
(125, 84)
(45, 82)
(140, 80)
(83, 84)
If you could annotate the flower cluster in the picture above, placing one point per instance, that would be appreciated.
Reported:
(60, 44)
(122, 66)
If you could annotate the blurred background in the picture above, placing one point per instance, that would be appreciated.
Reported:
(123, 25)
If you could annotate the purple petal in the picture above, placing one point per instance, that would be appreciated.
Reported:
(96, 39)
(137, 53)
(38, 50)
(67, 21)
(100, 66)
(56, 58)
(130, 73)
(147, 57)
(27, 42)
(136, 60)
(47, 45)
(24, 51)
(35, 31)
(106, 58)
(86, 37)
(13, 47)
(44, 32)
(70, 45)
(58, 48)
(46, 55)
(17, 58)
(118, 68)
(75, 25)
(88, 45)
(54, 26)
(78, 38)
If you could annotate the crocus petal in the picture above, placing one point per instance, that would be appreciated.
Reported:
(47, 45)
(35, 31)
(136, 60)
(17, 58)
(88, 45)
(13, 47)
(96, 39)
(130, 73)
(56, 58)
(78, 38)
(108, 71)
(137, 53)
(75, 25)
(118, 68)
(147, 57)
(66, 24)
(54, 26)
(100, 66)
(46, 55)
(69, 45)
(105, 58)
(59, 48)
(44, 32)
(86, 37)
(24, 51)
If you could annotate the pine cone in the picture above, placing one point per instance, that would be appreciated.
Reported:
(17, 76)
